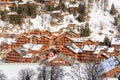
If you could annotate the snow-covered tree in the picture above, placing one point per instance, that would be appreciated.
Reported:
(2, 76)
(50, 72)
(26, 74)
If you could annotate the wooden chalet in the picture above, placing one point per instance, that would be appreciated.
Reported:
(73, 7)
(22, 39)
(108, 67)
(13, 57)
(49, 2)
(87, 53)
(115, 42)
(60, 60)
(3, 1)
(44, 39)
(4, 45)
(19, 55)
(67, 52)
(62, 40)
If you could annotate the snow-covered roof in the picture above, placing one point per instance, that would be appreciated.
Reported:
(27, 56)
(21, 50)
(107, 65)
(32, 46)
(99, 48)
(79, 39)
(111, 50)
(8, 40)
(106, 55)
(115, 41)
(12, 13)
(89, 47)
(73, 5)
(57, 11)
(52, 58)
(74, 48)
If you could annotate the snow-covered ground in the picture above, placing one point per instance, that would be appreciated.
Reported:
(101, 22)
(11, 69)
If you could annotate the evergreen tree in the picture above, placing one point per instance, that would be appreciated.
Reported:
(81, 10)
(85, 31)
(14, 7)
(106, 41)
(31, 10)
(113, 10)
(40, 1)
(116, 21)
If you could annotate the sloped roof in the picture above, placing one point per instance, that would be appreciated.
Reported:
(107, 65)
(63, 57)
(32, 46)
(74, 48)
(115, 41)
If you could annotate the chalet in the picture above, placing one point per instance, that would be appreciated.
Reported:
(62, 40)
(33, 48)
(79, 41)
(3, 1)
(4, 45)
(56, 13)
(87, 54)
(73, 7)
(48, 33)
(34, 32)
(115, 42)
(99, 52)
(59, 60)
(19, 55)
(109, 67)
(67, 52)
(44, 39)
(49, 2)
(22, 39)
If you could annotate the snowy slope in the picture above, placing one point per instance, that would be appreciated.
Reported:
(101, 22)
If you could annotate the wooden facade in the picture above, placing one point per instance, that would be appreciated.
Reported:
(49, 2)
(62, 40)
(112, 73)
(13, 57)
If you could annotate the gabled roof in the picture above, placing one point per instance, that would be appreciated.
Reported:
(115, 41)
(63, 57)
(99, 48)
(107, 65)
(74, 48)
(79, 39)
(33, 46)
(89, 47)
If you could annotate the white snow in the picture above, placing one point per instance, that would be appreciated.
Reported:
(32, 46)
(11, 69)
(89, 47)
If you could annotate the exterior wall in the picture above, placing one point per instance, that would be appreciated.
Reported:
(89, 42)
(112, 73)
(86, 56)
(65, 51)
(13, 57)
(43, 40)
(62, 40)
(5, 0)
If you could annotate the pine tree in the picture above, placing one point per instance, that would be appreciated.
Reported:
(85, 31)
(116, 21)
(106, 41)
(113, 10)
